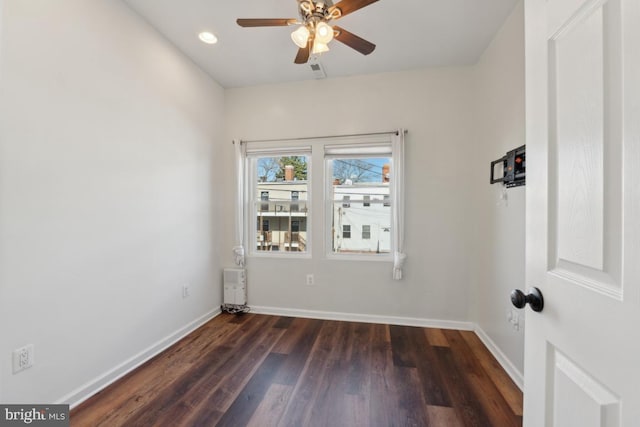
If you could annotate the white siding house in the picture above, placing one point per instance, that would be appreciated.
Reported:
(362, 218)
(281, 209)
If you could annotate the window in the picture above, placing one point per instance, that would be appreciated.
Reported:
(356, 186)
(366, 232)
(280, 193)
(358, 181)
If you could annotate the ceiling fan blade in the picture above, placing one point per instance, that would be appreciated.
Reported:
(303, 54)
(358, 43)
(266, 22)
(348, 6)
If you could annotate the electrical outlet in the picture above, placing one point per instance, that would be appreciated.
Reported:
(185, 291)
(310, 281)
(23, 358)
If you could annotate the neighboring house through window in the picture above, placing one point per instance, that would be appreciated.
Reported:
(280, 190)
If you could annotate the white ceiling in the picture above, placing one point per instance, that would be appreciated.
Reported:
(409, 34)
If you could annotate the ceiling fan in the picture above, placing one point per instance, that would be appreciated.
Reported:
(314, 32)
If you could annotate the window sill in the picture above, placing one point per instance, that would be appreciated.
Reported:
(280, 254)
(360, 257)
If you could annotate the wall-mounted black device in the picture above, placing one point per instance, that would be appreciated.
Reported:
(513, 168)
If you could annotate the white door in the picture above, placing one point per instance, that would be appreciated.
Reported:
(582, 352)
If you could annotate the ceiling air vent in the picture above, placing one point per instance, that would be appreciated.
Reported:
(318, 70)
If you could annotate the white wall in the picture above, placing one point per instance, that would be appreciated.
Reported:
(108, 139)
(436, 107)
(499, 227)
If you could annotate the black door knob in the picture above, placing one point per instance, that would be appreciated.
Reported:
(534, 299)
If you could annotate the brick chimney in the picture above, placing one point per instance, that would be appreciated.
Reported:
(386, 170)
(289, 173)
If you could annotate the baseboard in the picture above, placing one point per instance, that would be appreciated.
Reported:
(365, 318)
(92, 387)
(502, 359)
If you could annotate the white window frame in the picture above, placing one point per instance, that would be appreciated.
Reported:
(253, 153)
(369, 147)
(319, 218)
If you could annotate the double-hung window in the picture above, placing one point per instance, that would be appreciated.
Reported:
(360, 186)
(358, 195)
(279, 196)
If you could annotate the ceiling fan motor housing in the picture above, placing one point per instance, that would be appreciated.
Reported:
(314, 12)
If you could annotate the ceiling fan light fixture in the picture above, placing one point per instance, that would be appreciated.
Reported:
(324, 33)
(307, 6)
(319, 47)
(301, 36)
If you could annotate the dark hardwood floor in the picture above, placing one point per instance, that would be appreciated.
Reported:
(257, 370)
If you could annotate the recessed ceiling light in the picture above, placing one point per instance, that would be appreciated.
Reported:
(208, 37)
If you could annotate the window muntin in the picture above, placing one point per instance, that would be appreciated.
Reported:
(280, 196)
(360, 209)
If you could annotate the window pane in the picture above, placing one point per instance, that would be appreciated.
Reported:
(280, 202)
(360, 205)
(366, 231)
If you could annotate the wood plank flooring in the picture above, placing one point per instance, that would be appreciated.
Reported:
(257, 370)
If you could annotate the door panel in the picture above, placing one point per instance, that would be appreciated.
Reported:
(576, 138)
(583, 213)
(591, 405)
(584, 148)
